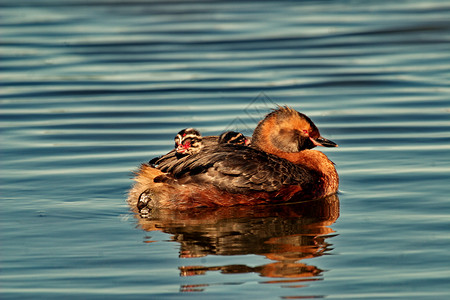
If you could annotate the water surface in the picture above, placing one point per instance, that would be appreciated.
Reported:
(89, 90)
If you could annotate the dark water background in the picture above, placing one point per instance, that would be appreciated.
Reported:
(90, 89)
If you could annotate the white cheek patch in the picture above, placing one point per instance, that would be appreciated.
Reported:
(178, 139)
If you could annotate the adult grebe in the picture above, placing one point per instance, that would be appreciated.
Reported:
(279, 167)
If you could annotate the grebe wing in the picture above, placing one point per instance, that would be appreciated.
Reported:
(165, 161)
(237, 168)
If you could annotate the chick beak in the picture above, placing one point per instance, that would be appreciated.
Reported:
(182, 148)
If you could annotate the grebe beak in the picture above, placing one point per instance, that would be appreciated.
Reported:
(321, 141)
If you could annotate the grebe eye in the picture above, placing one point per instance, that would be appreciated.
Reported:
(305, 131)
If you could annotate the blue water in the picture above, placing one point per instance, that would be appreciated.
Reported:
(91, 89)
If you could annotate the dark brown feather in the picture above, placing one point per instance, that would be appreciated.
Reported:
(237, 169)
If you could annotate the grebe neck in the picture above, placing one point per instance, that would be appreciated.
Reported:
(318, 162)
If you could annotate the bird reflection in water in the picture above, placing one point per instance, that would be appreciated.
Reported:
(285, 234)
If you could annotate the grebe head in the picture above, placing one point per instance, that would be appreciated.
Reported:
(234, 137)
(188, 141)
(287, 130)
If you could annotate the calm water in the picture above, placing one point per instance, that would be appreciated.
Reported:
(90, 89)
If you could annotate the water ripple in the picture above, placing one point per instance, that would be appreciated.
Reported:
(91, 89)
